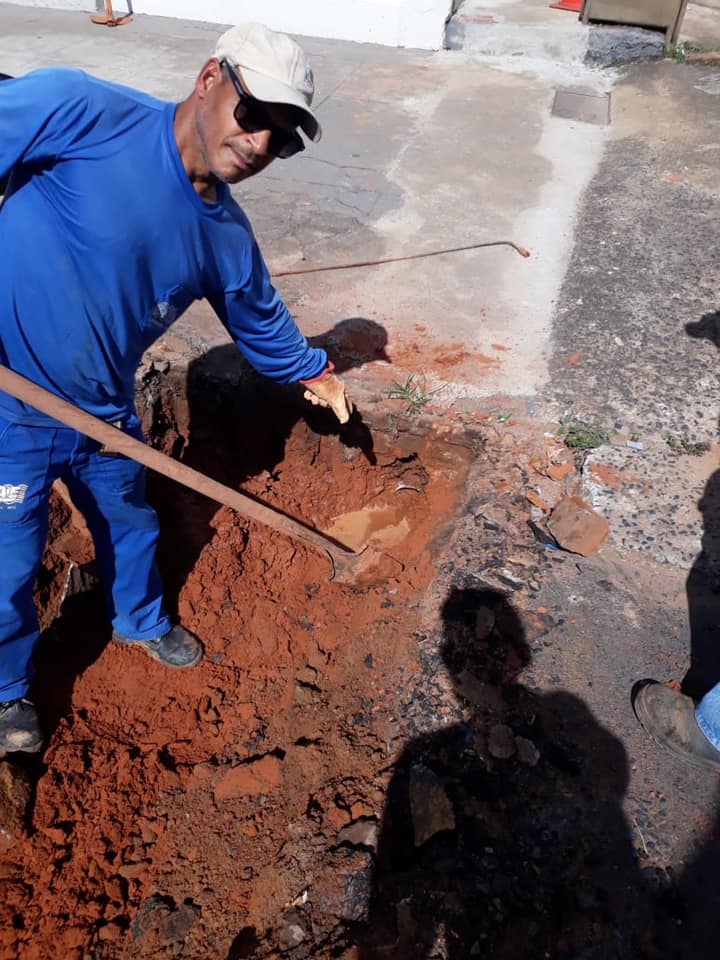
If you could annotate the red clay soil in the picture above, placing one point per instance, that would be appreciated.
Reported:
(189, 813)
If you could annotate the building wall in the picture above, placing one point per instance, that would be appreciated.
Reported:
(396, 23)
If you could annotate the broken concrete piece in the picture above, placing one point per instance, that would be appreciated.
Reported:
(577, 527)
(501, 742)
(14, 798)
(430, 806)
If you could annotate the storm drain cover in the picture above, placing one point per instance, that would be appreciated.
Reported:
(585, 107)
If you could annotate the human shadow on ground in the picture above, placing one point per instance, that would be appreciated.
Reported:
(703, 583)
(692, 919)
(529, 856)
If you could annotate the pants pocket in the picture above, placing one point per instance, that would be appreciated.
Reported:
(24, 470)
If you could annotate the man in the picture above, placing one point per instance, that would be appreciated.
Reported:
(116, 218)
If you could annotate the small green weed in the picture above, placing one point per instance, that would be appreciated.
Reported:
(690, 448)
(581, 436)
(678, 52)
(681, 50)
(413, 393)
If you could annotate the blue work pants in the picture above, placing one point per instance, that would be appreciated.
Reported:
(707, 714)
(110, 493)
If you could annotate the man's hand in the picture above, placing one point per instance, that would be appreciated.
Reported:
(329, 391)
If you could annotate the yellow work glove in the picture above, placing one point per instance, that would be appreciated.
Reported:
(328, 390)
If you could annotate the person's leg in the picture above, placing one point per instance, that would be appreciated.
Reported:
(30, 458)
(110, 493)
(707, 714)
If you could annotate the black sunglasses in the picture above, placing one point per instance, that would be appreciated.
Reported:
(251, 116)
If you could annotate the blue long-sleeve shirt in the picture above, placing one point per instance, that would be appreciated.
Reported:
(104, 243)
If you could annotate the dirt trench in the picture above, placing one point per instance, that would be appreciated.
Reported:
(233, 810)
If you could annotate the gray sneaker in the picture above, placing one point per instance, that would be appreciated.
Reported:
(177, 648)
(19, 727)
(669, 717)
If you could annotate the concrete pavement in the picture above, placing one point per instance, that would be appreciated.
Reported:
(614, 317)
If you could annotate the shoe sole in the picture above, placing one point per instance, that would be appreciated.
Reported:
(155, 656)
(643, 715)
(11, 750)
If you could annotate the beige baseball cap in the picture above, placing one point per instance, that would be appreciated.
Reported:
(274, 69)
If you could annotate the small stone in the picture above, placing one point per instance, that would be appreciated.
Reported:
(430, 806)
(527, 752)
(501, 742)
(291, 934)
(484, 623)
(362, 833)
(510, 579)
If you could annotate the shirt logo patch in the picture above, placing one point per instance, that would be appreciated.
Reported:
(11, 494)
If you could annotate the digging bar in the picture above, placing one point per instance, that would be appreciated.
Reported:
(346, 563)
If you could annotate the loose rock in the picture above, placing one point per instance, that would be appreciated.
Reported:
(430, 806)
(501, 742)
(527, 752)
(577, 527)
(484, 622)
(362, 833)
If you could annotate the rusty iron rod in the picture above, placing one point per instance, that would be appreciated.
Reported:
(415, 256)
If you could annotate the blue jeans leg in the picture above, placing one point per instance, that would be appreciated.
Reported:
(110, 493)
(30, 459)
(707, 714)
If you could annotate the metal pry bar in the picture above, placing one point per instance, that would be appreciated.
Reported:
(415, 256)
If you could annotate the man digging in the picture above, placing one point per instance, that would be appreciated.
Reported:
(117, 216)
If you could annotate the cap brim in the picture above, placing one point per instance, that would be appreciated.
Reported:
(272, 91)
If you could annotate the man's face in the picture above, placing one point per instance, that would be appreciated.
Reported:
(232, 153)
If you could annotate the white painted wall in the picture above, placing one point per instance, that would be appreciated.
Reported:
(395, 23)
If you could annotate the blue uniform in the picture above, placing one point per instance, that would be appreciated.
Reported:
(103, 244)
